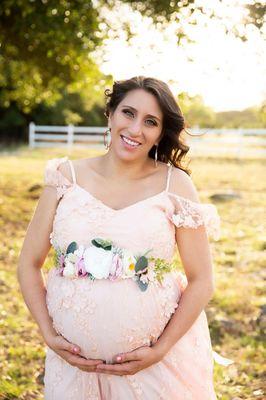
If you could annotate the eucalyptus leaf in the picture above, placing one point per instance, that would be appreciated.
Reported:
(141, 264)
(146, 252)
(71, 247)
(104, 244)
(91, 277)
(143, 286)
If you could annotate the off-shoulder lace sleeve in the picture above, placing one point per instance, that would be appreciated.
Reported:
(53, 177)
(190, 214)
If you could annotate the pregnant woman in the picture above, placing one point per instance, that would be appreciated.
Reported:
(119, 320)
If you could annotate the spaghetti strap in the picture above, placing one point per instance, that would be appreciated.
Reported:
(72, 172)
(170, 167)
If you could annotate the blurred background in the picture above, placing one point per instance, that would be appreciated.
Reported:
(57, 57)
(56, 60)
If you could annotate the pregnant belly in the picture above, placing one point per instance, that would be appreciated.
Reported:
(105, 318)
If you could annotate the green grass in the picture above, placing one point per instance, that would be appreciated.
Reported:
(233, 313)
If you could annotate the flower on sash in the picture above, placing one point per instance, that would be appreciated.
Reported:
(97, 262)
(103, 260)
(129, 262)
(69, 269)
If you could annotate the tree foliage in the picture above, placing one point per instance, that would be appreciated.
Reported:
(45, 45)
(257, 13)
(48, 54)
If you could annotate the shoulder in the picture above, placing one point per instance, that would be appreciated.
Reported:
(53, 164)
(57, 172)
(80, 167)
(61, 167)
(182, 185)
(64, 169)
(188, 211)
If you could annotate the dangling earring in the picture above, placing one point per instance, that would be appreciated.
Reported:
(156, 155)
(104, 138)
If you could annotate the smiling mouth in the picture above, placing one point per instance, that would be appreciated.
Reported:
(129, 141)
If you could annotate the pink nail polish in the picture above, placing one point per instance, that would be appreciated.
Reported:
(119, 358)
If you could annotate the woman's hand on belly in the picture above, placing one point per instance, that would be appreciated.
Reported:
(131, 362)
(69, 353)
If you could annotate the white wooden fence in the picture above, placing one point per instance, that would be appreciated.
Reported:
(210, 142)
(62, 136)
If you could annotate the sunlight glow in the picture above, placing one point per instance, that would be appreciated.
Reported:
(228, 73)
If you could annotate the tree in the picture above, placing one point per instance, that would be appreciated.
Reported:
(45, 45)
(48, 46)
(195, 111)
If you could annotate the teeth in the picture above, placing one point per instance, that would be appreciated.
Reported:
(130, 141)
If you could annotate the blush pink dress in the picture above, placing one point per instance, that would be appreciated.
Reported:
(107, 317)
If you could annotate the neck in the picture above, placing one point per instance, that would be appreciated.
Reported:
(114, 166)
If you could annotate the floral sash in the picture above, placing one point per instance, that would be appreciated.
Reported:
(104, 260)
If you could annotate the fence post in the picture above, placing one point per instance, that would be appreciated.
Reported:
(70, 135)
(32, 135)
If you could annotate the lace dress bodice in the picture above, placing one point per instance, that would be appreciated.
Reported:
(146, 224)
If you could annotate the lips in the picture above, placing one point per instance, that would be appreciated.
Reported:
(134, 141)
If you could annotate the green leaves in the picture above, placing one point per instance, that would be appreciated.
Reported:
(143, 286)
(162, 267)
(71, 247)
(56, 255)
(104, 244)
(141, 264)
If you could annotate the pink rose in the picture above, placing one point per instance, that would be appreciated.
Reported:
(116, 268)
(61, 261)
(80, 266)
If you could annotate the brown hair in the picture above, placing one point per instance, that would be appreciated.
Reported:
(171, 146)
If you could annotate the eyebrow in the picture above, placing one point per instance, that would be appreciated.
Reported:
(148, 115)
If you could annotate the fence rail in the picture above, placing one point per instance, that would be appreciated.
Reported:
(211, 142)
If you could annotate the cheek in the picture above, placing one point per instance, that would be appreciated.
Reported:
(152, 135)
(120, 119)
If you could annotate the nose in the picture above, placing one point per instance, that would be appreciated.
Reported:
(134, 128)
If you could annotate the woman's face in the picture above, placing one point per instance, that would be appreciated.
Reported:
(139, 118)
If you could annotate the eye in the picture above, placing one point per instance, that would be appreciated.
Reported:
(126, 111)
(153, 122)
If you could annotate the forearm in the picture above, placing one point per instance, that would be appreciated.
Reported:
(193, 300)
(34, 294)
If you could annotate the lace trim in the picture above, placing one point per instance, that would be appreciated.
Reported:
(189, 214)
(53, 177)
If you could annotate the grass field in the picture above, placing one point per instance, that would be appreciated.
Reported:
(235, 313)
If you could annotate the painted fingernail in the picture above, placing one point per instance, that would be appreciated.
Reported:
(76, 349)
(119, 358)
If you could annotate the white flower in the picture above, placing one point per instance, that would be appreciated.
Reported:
(79, 252)
(97, 261)
(71, 257)
(129, 262)
(69, 269)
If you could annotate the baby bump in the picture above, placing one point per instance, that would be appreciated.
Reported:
(107, 317)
